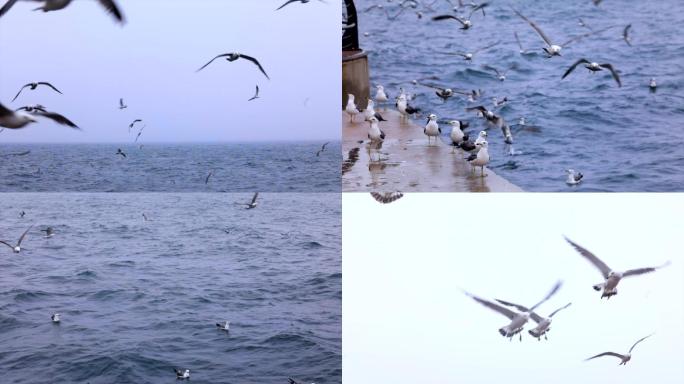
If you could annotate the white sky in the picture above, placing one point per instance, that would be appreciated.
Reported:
(151, 63)
(406, 320)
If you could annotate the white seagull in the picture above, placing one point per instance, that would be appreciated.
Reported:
(456, 135)
(56, 5)
(623, 358)
(182, 374)
(55, 318)
(20, 118)
(574, 177)
(518, 319)
(432, 128)
(543, 323)
(351, 108)
(465, 23)
(375, 134)
(612, 278)
(481, 158)
(380, 95)
(594, 67)
(17, 248)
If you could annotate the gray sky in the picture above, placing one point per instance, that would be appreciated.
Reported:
(406, 320)
(151, 63)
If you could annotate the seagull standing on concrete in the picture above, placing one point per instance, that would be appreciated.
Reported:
(432, 128)
(351, 108)
(481, 158)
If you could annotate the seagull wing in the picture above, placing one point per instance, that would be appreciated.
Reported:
(56, 117)
(641, 271)
(619, 356)
(121, 103)
(625, 34)
(580, 37)
(639, 341)
(112, 9)
(18, 93)
(23, 235)
(488, 67)
(6, 243)
(206, 181)
(256, 94)
(521, 308)
(289, 2)
(612, 72)
(446, 17)
(324, 145)
(7, 7)
(496, 307)
(256, 194)
(605, 270)
(212, 60)
(559, 309)
(4, 111)
(518, 40)
(552, 292)
(535, 26)
(487, 47)
(572, 67)
(386, 197)
(475, 9)
(478, 108)
(255, 61)
(51, 86)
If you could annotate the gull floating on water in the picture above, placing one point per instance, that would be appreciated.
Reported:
(543, 323)
(386, 197)
(351, 108)
(612, 278)
(234, 56)
(518, 319)
(225, 326)
(652, 84)
(55, 5)
(623, 358)
(19, 119)
(574, 177)
(594, 67)
(17, 247)
(55, 318)
(182, 374)
(33, 86)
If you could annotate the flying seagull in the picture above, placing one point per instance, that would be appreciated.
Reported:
(465, 23)
(469, 55)
(18, 119)
(131, 125)
(518, 319)
(612, 278)
(594, 67)
(17, 248)
(623, 358)
(517, 39)
(55, 5)
(574, 177)
(253, 203)
(234, 56)
(442, 93)
(182, 374)
(543, 323)
(121, 104)
(625, 35)
(120, 152)
(225, 326)
(33, 86)
(318, 153)
(256, 94)
(49, 232)
(386, 197)
(294, 1)
(139, 133)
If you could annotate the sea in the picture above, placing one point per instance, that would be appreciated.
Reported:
(620, 139)
(140, 296)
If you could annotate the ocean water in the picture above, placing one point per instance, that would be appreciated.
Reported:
(621, 139)
(138, 298)
(239, 167)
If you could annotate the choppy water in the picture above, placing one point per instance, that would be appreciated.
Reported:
(138, 298)
(622, 139)
(266, 167)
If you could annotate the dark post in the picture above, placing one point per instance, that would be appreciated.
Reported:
(354, 59)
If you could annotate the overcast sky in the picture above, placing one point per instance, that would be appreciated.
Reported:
(406, 320)
(151, 63)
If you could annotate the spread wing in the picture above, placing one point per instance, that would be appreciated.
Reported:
(289, 2)
(212, 60)
(112, 9)
(121, 103)
(255, 61)
(256, 194)
(56, 117)
(605, 270)
(487, 47)
(446, 17)
(488, 67)
(625, 34)
(496, 307)
(641, 271)
(580, 37)
(7, 7)
(521, 308)
(50, 85)
(612, 72)
(572, 67)
(517, 39)
(4, 111)
(559, 309)
(18, 93)
(6, 243)
(639, 341)
(619, 356)
(479, 7)
(552, 292)
(535, 26)
(23, 235)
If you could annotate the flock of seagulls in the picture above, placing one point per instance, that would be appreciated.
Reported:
(464, 13)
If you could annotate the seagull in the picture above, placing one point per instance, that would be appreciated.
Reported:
(404, 108)
(206, 180)
(594, 67)
(225, 326)
(22, 214)
(506, 131)
(294, 1)
(182, 374)
(49, 232)
(554, 49)
(234, 56)
(380, 95)
(17, 248)
(574, 177)
(130, 126)
(442, 93)
(522, 51)
(465, 23)
(253, 203)
(623, 358)
(375, 134)
(318, 153)
(481, 158)
(18, 119)
(120, 152)
(456, 135)
(386, 197)
(481, 138)
(501, 75)
(256, 94)
(351, 108)
(625, 35)
(432, 128)
(612, 278)
(518, 320)
(145, 217)
(543, 323)
(487, 114)
(468, 56)
(33, 86)
(370, 112)
(121, 104)
(139, 133)
(652, 85)
(55, 318)
(55, 5)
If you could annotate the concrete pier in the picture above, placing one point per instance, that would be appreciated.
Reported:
(406, 163)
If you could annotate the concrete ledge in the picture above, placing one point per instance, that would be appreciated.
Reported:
(408, 164)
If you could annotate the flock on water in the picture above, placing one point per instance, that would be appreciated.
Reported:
(466, 15)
